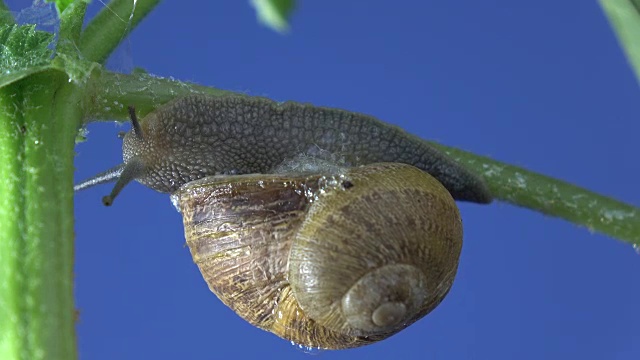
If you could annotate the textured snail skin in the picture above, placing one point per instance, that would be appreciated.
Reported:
(329, 261)
(198, 136)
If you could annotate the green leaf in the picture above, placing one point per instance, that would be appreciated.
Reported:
(61, 4)
(624, 16)
(6, 18)
(274, 13)
(23, 51)
(26, 51)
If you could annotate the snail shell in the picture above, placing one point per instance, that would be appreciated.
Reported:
(328, 228)
(325, 260)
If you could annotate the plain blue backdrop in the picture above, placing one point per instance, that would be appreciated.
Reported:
(541, 84)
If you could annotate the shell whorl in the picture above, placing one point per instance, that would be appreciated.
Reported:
(398, 243)
(257, 239)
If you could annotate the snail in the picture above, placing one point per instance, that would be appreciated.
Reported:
(328, 228)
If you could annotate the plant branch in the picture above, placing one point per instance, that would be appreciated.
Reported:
(38, 124)
(113, 92)
(12, 226)
(71, 25)
(48, 211)
(112, 24)
(553, 197)
(67, 116)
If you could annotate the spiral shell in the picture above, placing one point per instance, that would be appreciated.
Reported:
(325, 260)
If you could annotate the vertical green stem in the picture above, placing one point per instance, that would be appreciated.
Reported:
(71, 26)
(49, 216)
(36, 218)
(42, 220)
(67, 117)
(12, 225)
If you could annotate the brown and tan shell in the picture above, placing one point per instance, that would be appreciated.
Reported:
(327, 261)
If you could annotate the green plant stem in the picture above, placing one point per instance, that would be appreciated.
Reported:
(507, 183)
(114, 22)
(12, 226)
(42, 218)
(553, 197)
(624, 16)
(67, 116)
(113, 92)
(71, 26)
(37, 252)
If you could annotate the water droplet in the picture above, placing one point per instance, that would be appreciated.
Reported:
(82, 134)
(636, 247)
(175, 201)
(308, 349)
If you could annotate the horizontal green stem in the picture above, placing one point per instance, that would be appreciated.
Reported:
(113, 92)
(507, 183)
(553, 197)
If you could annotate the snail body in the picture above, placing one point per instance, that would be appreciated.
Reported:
(328, 228)
(328, 261)
(198, 135)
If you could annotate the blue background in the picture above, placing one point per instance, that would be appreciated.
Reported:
(540, 84)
